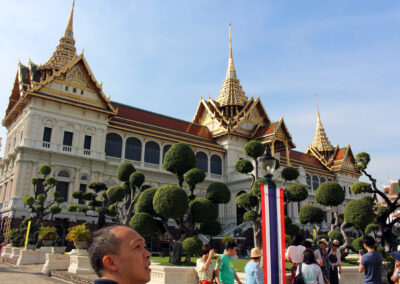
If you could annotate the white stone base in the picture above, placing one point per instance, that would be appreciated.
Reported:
(15, 252)
(173, 274)
(52, 249)
(29, 257)
(79, 264)
(55, 262)
(6, 251)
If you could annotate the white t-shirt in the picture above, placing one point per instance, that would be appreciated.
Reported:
(312, 273)
(204, 274)
(295, 253)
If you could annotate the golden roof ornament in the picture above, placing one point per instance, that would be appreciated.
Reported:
(231, 93)
(65, 51)
(321, 142)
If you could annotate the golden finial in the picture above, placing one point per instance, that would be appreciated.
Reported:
(69, 30)
(230, 41)
(321, 141)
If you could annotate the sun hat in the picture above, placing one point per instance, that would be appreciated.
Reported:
(396, 255)
(309, 240)
(255, 253)
(323, 241)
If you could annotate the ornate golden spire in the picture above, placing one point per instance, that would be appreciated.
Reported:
(321, 142)
(65, 51)
(231, 93)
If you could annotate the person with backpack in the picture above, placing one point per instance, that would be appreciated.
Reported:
(308, 272)
(294, 254)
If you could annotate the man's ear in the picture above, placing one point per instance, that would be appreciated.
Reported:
(109, 263)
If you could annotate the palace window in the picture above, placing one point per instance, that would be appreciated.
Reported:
(67, 141)
(133, 149)
(152, 153)
(323, 180)
(165, 150)
(113, 145)
(308, 178)
(82, 188)
(315, 182)
(202, 161)
(63, 173)
(216, 165)
(74, 90)
(39, 187)
(62, 189)
(87, 143)
(47, 134)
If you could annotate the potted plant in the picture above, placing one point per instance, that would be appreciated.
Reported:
(79, 234)
(47, 234)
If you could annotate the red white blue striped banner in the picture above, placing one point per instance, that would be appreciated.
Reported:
(273, 232)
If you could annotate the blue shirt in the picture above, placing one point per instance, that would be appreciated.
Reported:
(372, 262)
(254, 274)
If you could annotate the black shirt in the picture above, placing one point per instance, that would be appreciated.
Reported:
(104, 281)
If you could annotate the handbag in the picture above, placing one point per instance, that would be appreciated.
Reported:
(299, 277)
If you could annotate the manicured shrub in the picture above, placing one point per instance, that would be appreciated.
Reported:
(250, 216)
(115, 193)
(170, 201)
(254, 149)
(296, 193)
(358, 212)
(212, 228)
(310, 214)
(124, 171)
(361, 187)
(246, 200)
(144, 224)
(330, 193)
(289, 173)
(203, 210)
(218, 192)
(244, 166)
(194, 176)
(145, 201)
(192, 246)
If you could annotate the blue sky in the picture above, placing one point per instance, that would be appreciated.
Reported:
(163, 55)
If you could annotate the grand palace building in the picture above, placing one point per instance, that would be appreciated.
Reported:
(58, 114)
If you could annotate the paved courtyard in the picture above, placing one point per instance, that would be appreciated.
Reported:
(23, 274)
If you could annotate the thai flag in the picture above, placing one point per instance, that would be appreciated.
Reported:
(273, 232)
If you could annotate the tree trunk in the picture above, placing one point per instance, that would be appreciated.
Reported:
(346, 243)
(180, 180)
(101, 221)
(257, 234)
(175, 254)
(333, 226)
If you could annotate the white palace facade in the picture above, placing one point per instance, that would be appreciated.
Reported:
(57, 114)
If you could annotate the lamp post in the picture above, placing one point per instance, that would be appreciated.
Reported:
(272, 223)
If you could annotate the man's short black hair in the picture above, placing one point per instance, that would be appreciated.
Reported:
(103, 242)
(230, 245)
(369, 241)
(308, 257)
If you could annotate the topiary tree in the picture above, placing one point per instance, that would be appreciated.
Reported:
(178, 160)
(358, 244)
(170, 203)
(372, 228)
(336, 235)
(42, 205)
(96, 204)
(331, 194)
(192, 246)
(311, 214)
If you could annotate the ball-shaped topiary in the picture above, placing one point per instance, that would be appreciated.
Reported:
(250, 216)
(170, 201)
(77, 194)
(72, 208)
(292, 229)
(126, 187)
(254, 149)
(124, 171)
(244, 166)
(115, 193)
(212, 228)
(358, 212)
(38, 208)
(362, 161)
(382, 210)
(192, 246)
(144, 224)
(112, 209)
(28, 200)
(45, 170)
(336, 235)
(83, 209)
(54, 209)
(179, 159)
(246, 200)
(358, 244)
(371, 228)
(41, 197)
(296, 192)
(95, 203)
(289, 173)
(34, 181)
(97, 186)
(50, 182)
(311, 214)
(88, 196)
(60, 200)
(203, 210)
(361, 187)
(218, 192)
(194, 176)
(145, 201)
(255, 188)
(330, 193)
(136, 179)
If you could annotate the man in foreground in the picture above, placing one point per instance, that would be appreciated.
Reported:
(371, 262)
(118, 255)
(226, 271)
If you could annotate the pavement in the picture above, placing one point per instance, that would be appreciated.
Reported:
(13, 274)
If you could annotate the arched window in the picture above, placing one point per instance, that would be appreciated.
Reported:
(323, 180)
(216, 165)
(315, 182)
(63, 173)
(113, 145)
(165, 149)
(152, 153)
(308, 178)
(202, 161)
(329, 179)
(133, 149)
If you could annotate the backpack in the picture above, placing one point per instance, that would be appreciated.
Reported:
(299, 277)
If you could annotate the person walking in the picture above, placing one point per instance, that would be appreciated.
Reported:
(226, 270)
(371, 262)
(335, 262)
(310, 271)
(294, 254)
(254, 273)
(204, 267)
(321, 257)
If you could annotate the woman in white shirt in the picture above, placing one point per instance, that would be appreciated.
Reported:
(294, 254)
(310, 271)
(204, 266)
